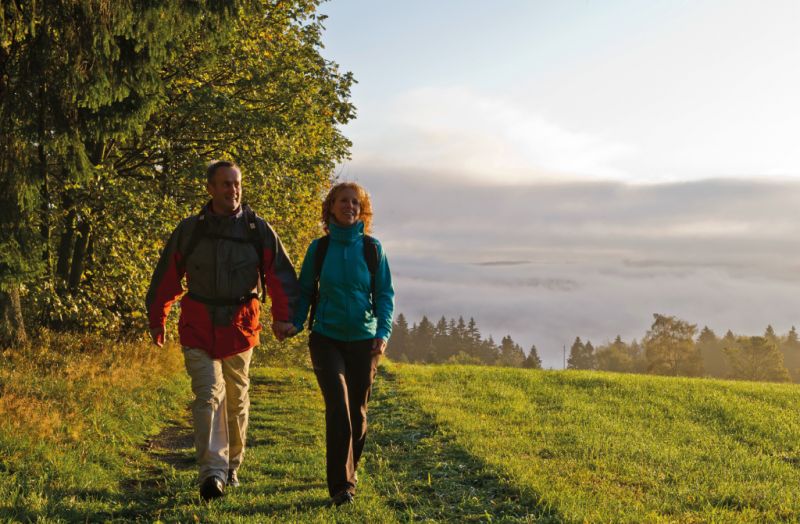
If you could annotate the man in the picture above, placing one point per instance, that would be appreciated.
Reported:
(228, 254)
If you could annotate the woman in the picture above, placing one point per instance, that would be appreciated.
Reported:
(345, 281)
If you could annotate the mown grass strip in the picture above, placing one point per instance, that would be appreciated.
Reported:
(603, 447)
(426, 474)
(283, 475)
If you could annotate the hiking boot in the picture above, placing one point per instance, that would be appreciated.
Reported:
(343, 497)
(233, 479)
(213, 487)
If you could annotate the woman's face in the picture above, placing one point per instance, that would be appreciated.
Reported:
(345, 207)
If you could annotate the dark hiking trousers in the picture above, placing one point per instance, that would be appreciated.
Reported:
(345, 371)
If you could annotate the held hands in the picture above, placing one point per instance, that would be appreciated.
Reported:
(283, 330)
(157, 335)
(378, 346)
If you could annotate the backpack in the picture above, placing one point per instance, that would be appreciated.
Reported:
(254, 238)
(370, 256)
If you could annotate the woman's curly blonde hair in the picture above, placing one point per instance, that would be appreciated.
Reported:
(364, 215)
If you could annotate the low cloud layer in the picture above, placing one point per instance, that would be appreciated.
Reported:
(549, 262)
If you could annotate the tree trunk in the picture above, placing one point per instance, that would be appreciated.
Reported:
(12, 325)
(44, 208)
(79, 255)
(65, 246)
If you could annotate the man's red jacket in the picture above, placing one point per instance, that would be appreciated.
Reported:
(222, 267)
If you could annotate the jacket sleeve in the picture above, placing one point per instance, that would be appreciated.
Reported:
(165, 284)
(279, 276)
(384, 297)
(306, 287)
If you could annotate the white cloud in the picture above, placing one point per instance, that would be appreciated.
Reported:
(490, 139)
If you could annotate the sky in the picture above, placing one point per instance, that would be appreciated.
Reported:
(568, 168)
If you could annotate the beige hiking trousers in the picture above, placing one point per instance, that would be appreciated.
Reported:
(220, 409)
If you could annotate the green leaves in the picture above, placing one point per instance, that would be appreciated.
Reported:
(114, 113)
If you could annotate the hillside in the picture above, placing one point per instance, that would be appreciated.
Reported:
(447, 443)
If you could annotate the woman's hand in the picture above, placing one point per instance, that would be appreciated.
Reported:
(283, 330)
(378, 346)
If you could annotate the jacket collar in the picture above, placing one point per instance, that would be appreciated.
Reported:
(208, 211)
(346, 235)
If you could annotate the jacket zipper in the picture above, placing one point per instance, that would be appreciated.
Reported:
(347, 301)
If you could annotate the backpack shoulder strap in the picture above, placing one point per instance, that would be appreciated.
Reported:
(319, 259)
(257, 240)
(199, 231)
(371, 254)
(319, 255)
(372, 258)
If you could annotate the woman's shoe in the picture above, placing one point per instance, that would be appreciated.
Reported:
(345, 497)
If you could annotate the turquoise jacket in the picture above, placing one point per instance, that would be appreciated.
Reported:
(344, 311)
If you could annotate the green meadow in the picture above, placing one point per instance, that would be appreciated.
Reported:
(97, 439)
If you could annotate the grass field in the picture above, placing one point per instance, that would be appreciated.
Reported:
(446, 443)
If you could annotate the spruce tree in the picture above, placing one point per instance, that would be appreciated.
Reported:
(398, 343)
(532, 361)
(790, 348)
(473, 339)
(422, 341)
(511, 354)
(580, 356)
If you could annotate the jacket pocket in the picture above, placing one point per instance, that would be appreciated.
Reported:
(362, 310)
(247, 318)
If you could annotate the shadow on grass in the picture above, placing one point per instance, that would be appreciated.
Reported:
(423, 473)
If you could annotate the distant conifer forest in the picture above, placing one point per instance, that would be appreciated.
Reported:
(670, 347)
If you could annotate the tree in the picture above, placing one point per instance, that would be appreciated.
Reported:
(73, 78)
(757, 358)
(532, 361)
(458, 336)
(670, 349)
(581, 356)
(511, 354)
(472, 341)
(615, 357)
(710, 349)
(421, 341)
(790, 348)
(770, 336)
(591, 358)
(441, 342)
(115, 143)
(729, 341)
(488, 352)
(398, 343)
(637, 356)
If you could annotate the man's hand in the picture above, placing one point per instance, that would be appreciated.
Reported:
(378, 346)
(157, 334)
(282, 330)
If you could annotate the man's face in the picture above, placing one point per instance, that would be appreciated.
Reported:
(225, 189)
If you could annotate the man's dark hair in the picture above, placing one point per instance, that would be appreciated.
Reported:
(211, 170)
